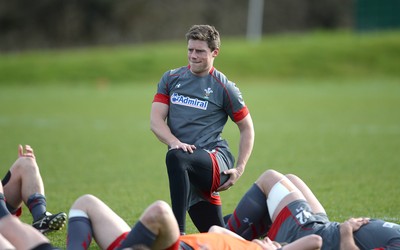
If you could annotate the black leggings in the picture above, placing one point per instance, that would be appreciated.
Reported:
(185, 169)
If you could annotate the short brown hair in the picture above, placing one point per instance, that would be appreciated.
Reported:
(205, 33)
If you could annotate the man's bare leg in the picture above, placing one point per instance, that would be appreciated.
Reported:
(20, 235)
(24, 184)
(316, 206)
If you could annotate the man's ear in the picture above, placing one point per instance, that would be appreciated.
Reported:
(215, 52)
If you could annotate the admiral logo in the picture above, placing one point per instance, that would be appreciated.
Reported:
(388, 224)
(187, 101)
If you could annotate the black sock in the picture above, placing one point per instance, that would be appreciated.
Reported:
(140, 235)
(37, 205)
(204, 215)
(79, 234)
(250, 218)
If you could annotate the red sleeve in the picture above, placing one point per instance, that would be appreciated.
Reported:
(161, 98)
(238, 116)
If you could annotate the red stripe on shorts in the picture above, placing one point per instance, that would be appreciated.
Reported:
(117, 242)
(214, 199)
(282, 216)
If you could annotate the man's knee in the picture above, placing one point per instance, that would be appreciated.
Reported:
(157, 212)
(85, 201)
(268, 176)
(24, 166)
(161, 208)
(175, 160)
(174, 155)
(292, 177)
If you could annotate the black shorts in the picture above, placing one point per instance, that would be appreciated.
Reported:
(6, 178)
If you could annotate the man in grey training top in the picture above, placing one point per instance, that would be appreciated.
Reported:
(188, 114)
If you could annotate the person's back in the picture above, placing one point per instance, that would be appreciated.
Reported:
(216, 241)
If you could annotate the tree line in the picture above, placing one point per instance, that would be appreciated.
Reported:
(27, 24)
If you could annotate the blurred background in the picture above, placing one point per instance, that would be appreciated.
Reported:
(27, 24)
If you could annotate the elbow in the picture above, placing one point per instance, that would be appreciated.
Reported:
(317, 241)
(153, 126)
(153, 130)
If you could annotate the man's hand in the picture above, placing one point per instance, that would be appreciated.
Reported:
(346, 232)
(234, 175)
(355, 223)
(184, 146)
(28, 153)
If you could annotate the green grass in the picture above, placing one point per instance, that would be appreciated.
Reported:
(87, 117)
(317, 56)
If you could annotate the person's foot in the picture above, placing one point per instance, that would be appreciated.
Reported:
(50, 222)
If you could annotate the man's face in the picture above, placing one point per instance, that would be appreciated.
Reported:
(200, 57)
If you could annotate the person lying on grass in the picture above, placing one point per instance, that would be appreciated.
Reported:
(285, 208)
(90, 218)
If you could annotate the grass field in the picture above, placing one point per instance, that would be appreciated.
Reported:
(333, 120)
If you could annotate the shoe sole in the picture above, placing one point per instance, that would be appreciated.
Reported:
(55, 224)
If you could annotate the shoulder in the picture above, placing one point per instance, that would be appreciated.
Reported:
(177, 71)
(173, 75)
(219, 76)
(222, 79)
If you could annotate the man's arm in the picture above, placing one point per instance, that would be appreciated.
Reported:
(309, 242)
(19, 234)
(246, 143)
(158, 115)
(346, 232)
(222, 230)
(346, 237)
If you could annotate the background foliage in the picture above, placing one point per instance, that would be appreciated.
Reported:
(26, 24)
